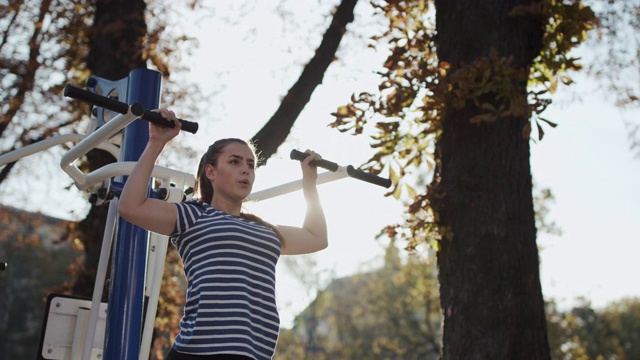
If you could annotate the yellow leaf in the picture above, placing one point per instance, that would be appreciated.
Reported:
(553, 86)
(397, 192)
(393, 175)
(411, 191)
(342, 110)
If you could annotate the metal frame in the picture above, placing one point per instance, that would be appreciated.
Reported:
(138, 255)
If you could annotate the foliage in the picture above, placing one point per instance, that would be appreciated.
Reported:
(619, 61)
(37, 58)
(407, 109)
(39, 263)
(35, 264)
(391, 313)
(376, 310)
(541, 203)
(616, 64)
(44, 45)
(170, 303)
(587, 333)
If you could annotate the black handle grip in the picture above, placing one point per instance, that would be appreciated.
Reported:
(156, 118)
(3, 266)
(95, 99)
(353, 172)
(299, 155)
(122, 108)
(370, 178)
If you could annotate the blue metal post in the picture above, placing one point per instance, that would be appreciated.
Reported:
(126, 294)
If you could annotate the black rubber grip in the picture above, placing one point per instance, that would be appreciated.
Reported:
(95, 99)
(122, 108)
(156, 118)
(370, 178)
(299, 155)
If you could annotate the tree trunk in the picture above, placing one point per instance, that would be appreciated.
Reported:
(116, 49)
(490, 289)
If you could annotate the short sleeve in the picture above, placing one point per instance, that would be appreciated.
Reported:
(188, 213)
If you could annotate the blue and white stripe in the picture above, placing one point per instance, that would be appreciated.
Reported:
(230, 264)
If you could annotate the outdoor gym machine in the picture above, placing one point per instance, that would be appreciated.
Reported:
(85, 329)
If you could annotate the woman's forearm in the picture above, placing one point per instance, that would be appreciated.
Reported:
(134, 193)
(312, 236)
(314, 220)
(151, 214)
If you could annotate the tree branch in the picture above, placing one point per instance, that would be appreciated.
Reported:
(276, 130)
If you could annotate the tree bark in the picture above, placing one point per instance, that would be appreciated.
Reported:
(276, 130)
(116, 49)
(488, 262)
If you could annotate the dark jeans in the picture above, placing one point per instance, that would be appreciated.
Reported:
(174, 355)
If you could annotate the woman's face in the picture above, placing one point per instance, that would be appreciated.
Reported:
(234, 173)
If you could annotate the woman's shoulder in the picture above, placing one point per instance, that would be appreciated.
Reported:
(194, 206)
(189, 212)
(195, 203)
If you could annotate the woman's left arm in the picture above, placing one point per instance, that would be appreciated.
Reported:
(312, 236)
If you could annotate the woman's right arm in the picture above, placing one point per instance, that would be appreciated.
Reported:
(134, 206)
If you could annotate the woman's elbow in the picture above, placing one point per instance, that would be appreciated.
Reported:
(125, 210)
(323, 243)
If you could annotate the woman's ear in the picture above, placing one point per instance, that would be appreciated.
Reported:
(210, 171)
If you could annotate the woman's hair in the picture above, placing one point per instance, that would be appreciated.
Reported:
(204, 188)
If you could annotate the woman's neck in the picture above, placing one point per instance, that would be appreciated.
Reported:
(230, 207)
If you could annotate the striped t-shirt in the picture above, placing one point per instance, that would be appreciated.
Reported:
(230, 265)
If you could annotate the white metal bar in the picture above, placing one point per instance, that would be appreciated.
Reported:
(122, 168)
(45, 144)
(80, 340)
(67, 163)
(101, 275)
(157, 254)
(297, 185)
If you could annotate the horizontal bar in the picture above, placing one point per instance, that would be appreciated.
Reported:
(289, 187)
(122, 108)
(351, 171)
(67, 163)
(45, 144)
(123, 168)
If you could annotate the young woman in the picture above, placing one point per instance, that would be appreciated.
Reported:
(229, 257)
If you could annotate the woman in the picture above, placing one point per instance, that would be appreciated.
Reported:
(229, 257)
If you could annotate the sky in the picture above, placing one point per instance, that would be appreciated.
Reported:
(249, 63)
(588, 164)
